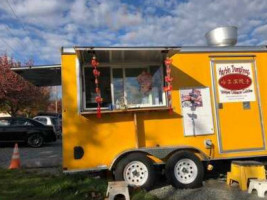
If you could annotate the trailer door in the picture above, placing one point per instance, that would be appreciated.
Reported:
(237, 100)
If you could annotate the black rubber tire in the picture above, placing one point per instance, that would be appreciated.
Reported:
(170, 166)
(31, 137)
(119, 169)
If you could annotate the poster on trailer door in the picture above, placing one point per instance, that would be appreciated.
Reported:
(235, 82)
(196, 110)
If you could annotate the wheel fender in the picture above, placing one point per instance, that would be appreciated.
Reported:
(31, 133)
(162, 153)
(202, 156)
(123, 155)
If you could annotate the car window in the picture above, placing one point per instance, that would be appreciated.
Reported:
(21, 122)
(4, 122)
(43, 120)
(54, 121)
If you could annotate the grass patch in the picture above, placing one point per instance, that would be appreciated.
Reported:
(24, 185)
(142, 194)
(20, 184)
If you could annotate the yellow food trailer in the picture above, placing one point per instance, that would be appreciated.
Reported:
(178, 106)
(218, 101)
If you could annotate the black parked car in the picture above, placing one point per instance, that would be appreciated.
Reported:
(17, 129)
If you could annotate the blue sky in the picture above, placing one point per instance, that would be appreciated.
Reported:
(36, 29)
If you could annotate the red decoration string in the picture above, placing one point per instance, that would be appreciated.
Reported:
(98, 98)
(168, 80)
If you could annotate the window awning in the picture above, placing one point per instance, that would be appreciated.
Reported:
(42, 75)
(120, 55)
(50, 75)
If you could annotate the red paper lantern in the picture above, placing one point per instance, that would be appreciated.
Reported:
(168, 88)
(96, 74)
(168, 80)
(98, 99)
(168, 61)
(94, 62)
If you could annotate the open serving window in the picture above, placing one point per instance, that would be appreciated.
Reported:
(130, 79)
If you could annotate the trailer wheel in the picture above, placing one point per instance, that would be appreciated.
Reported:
(137, 170)
(184, 170)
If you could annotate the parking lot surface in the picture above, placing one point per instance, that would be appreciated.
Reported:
(50, 155)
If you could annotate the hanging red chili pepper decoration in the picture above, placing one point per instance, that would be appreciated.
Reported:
(168, 80)
(96, 74)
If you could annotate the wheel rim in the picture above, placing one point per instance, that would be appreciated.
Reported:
(36, 140)
(135, 173)
(185, 171)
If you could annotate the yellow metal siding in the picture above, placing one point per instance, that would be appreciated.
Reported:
(102, 139)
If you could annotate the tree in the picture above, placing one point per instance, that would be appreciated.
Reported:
(55, 106)
(39, 104)
(16, 94)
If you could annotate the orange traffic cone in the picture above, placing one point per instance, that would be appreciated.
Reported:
(15, 160)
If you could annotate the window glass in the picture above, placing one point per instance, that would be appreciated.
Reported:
(42, 120)
(118, 88)
(137, 86)
(21, 122)
(157, 85)
(4, 122)
(132, 87)
(104, 84)
(54, 121)
(144, 86)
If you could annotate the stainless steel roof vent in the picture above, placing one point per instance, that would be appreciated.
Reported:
(222, 36)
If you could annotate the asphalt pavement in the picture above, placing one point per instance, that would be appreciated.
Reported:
(49, 155)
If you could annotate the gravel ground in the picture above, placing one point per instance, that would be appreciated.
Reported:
(50, 155)
(212, 190)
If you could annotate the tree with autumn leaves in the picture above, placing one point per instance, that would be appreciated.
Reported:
(18, 95)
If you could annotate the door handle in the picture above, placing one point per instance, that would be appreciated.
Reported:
(220, 106)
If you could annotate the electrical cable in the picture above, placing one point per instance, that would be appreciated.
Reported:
(18, 19)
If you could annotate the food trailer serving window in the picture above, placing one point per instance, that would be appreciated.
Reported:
(128, 79)
(121, 87)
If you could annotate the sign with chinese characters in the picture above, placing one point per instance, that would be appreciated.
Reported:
(235, 82)
(196, 110)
